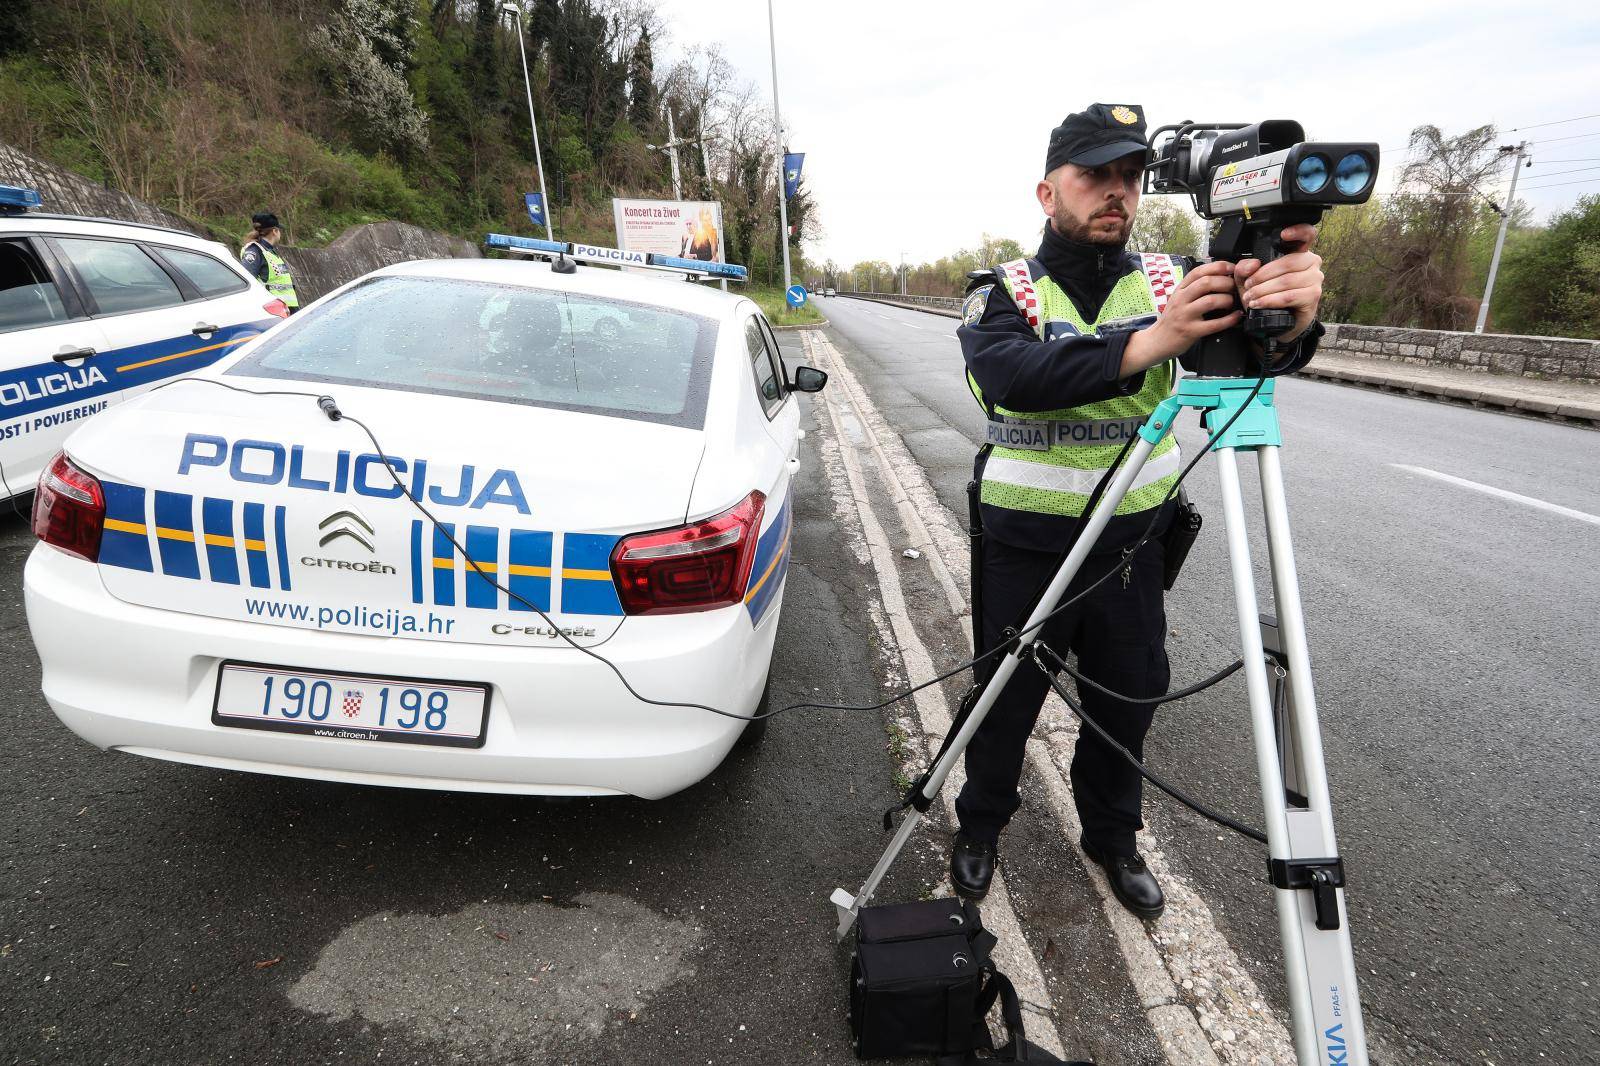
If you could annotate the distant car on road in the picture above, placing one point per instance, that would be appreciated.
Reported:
(94, 312)
(260, 594)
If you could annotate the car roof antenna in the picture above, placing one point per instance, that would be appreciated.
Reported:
(563, 265)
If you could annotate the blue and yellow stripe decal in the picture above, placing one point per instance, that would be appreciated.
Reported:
(166, 539)
(522, 560)
(771, 565)
(42, 386)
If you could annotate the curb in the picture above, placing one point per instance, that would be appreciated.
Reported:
(800, 325)
(909, 307)
(1578, 412)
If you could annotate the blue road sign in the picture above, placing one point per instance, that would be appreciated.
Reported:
(796, 296)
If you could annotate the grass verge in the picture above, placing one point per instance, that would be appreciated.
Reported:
(771, 302)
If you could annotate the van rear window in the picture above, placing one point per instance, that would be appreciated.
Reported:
(508, 343)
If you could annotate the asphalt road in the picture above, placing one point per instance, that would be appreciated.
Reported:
(1454, 635)
(157, 913)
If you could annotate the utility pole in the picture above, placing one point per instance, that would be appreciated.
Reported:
(902, 273)
(549, 214)
(777, 117)
(1505, 220)
(671, 148)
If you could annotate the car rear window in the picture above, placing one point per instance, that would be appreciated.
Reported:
(508, 343)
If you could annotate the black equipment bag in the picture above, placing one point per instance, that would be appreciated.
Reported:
(922, 983)
(1179, 538)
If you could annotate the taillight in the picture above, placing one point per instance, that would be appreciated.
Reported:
(69, 509)
(697, 567)
(276, 307)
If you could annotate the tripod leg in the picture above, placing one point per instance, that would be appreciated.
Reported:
(848, 905)
(1330, 961)
(1267, 769)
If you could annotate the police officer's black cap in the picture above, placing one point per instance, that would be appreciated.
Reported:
(1098, 135)
(265, 220)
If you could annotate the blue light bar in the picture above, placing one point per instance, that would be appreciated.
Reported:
(699, 266)
(592, 253)
(22, 199)
(526, 244)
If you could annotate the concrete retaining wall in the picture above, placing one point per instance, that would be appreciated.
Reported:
(316, 270)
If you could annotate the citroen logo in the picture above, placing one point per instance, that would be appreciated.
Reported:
(346, 524)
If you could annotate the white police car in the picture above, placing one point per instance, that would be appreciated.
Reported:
(234, 579)
(94, 311)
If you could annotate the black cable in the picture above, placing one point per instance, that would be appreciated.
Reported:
(11, 497)
(1040, 648)
(331, 410)
(1179, 694)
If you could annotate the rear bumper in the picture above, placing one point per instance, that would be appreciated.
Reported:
(142, 680)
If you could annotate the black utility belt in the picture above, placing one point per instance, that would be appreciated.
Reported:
(1042, 434)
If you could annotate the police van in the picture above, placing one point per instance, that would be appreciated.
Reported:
(469, 524)
(93, 311)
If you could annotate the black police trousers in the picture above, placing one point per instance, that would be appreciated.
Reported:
(1118, 633)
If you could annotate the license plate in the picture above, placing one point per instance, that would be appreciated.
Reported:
(352, 706)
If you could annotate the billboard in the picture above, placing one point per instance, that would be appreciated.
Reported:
(689, 229)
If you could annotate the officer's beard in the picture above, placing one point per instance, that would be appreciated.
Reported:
(1096, 229)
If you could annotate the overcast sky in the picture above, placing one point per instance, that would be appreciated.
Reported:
(924, 123)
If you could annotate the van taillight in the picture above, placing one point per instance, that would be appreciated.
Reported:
(697, 567)
(277, 308)
(69, 509)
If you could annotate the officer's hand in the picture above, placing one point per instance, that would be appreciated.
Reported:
(1293, 281)
(1205, 289)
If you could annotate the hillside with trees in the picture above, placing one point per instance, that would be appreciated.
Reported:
(335, 112)
(1417, 257)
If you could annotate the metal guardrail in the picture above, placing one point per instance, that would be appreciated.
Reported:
(943, 303)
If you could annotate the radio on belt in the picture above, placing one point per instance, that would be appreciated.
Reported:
(594, 253)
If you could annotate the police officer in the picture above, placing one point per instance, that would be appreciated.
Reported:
(260, 258)
(1067, 352)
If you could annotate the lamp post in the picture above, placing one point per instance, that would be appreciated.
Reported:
(777, 117)
(515, 12)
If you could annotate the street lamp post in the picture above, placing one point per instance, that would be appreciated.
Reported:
(777, 117)
(527, 83)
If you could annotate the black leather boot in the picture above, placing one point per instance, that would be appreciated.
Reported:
(972, 864)
(1136, 888)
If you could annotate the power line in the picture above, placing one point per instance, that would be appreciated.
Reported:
(1555, 184)
(1554, 122)
(1573, 137)
(1580, 159)
(1558, 173)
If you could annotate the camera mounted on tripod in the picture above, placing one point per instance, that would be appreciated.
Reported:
(1256, 180)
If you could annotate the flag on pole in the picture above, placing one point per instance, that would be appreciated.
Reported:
(535, 204)
(792, 162)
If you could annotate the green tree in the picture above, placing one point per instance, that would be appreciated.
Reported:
(1161, 225)
(641, 85)
(1549, 284)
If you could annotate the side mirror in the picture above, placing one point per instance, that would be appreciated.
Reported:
(808, 379)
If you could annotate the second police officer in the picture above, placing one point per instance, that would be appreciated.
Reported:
(1063, 388)
(261, 258)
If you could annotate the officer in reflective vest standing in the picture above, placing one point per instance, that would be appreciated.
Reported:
(1068, 352)
(260, 258)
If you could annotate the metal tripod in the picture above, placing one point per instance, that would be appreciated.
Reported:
(1303, 865)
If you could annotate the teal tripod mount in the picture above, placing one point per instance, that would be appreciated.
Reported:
(1303, 866)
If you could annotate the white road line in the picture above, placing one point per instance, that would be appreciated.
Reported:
(1490, 490)
(909, 325)
(1012, 954)
(1185, 945)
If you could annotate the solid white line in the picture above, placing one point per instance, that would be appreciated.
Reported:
(1490, 490)
(1154, 973)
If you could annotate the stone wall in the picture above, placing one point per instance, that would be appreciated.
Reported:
(316, 270)
(67, 193)
(1547, 358)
